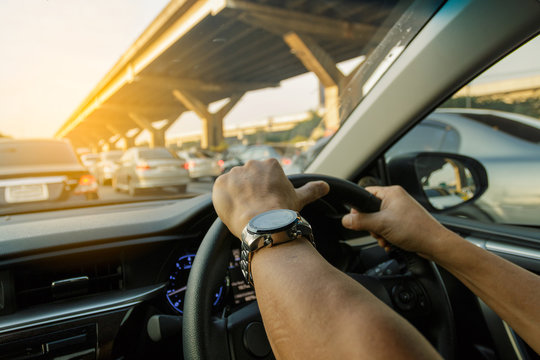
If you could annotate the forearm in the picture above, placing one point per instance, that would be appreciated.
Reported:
(326, 314)
(512, 292)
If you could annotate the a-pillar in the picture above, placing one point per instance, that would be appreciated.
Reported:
(157, 136)
(318, 61)
(212, 123)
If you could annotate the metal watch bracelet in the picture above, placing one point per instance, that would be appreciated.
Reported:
(301, 229)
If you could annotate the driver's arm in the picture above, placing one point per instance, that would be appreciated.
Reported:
(511, 291)
(310, 309)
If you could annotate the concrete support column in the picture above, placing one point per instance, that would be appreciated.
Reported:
(94, 147)
(212, 123)
(332, 105)
(318, 61)
(157, 136)
(129, 141)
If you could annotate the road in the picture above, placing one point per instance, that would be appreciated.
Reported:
(107, 193)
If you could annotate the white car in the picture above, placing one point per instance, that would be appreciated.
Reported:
(200, 164)
(142, 168)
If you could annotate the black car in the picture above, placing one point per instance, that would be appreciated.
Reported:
(42, 171)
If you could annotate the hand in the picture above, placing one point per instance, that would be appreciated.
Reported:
(401, 221)
(256, 187)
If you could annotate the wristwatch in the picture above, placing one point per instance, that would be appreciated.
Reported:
(271, 228)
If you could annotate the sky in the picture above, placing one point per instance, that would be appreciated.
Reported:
(54, 52)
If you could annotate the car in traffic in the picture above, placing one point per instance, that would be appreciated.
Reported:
(89, 160)
(507, 144)
(256, 152)
(201, 164)
(160, 276)
(42, 171)
(106, 166)
(143, 168)
(302, 160)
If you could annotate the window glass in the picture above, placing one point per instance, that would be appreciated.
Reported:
(495, 119)
(227, 83)
(427, 136)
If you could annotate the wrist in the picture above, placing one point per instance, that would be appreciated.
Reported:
(250, 213)
(269, 229)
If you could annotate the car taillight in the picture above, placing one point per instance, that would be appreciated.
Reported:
(189, 165)
(142, 166)
(285, 161)
(87, 180)
(221, 163)
(87, 185)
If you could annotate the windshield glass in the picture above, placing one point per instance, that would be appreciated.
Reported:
(226, 81)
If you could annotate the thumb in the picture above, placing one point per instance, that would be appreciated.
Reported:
(311, 191)
(359, 221)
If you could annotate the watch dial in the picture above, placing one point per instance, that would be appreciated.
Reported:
(273, 220)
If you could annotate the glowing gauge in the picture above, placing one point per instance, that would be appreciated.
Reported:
(176, 289)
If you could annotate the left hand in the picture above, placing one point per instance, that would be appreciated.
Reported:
(256, 187)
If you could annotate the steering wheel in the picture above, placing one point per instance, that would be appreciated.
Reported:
(419, 294)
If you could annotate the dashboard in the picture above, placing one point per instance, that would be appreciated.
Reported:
(84, 283)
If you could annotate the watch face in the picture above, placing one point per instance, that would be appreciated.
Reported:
(272, 221)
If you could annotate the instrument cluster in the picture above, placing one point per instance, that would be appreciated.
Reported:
(233, 292)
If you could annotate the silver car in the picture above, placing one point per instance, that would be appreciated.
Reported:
(149, 168)
(105, 168)
(200, 164)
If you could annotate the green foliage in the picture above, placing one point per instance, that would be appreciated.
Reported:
(300, 132)
(530, 106)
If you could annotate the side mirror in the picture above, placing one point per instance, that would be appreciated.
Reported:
(439, 181)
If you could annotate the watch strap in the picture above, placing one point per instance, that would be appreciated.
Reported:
(301, 229)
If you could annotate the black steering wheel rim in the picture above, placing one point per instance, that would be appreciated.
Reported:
(206, 337)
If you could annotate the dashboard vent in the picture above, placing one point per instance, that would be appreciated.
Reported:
(45, 282)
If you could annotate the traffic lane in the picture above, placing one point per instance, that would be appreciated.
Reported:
(106, 192)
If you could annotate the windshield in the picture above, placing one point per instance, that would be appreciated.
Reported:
(226, 81)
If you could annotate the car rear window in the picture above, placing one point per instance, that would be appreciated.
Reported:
(156, 154)
(198, 155)
(36, 153)
(112, 156)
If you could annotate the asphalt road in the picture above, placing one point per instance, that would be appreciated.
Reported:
(107, 193)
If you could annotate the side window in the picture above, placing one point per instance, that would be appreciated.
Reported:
(429, 135)
(496, 120)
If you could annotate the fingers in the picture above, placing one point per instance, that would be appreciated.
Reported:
(359, 221)
(311, 191)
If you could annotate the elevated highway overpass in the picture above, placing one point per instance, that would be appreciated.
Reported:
(198, 52)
